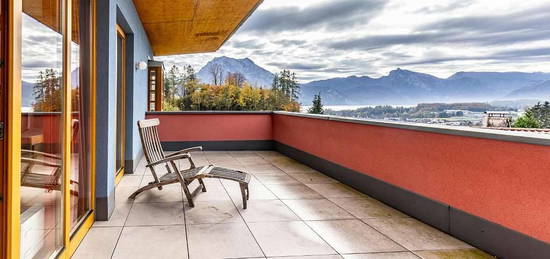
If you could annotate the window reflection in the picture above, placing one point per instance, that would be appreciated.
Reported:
(41, 136)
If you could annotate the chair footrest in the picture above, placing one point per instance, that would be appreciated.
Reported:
(228, 174)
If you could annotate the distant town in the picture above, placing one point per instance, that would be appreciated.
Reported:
(454, 114)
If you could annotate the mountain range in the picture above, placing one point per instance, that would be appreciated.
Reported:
(408, 87)
(400, 86)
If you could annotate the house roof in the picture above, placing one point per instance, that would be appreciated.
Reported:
(192, 26)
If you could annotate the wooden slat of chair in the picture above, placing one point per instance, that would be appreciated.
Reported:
(154, 155)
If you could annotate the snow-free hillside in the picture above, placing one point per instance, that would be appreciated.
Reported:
(254, 74)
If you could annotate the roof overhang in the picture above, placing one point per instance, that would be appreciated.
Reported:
(192, 26)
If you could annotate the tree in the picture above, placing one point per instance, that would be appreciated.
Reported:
(236, 79)
(216, 71)
(526, 121)
(172, 82)
(541, 113)
(275, 85)
(286, 82)
(537, 116)
(48, 91)
(190, 74)
(317, 107)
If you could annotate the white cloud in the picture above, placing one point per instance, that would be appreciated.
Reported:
(432, 36)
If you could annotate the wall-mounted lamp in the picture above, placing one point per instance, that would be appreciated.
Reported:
(141, 65)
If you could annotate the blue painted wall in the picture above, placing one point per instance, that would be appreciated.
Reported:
(110, 13)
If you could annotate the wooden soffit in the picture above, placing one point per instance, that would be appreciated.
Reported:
(48, 12)
(192, 26)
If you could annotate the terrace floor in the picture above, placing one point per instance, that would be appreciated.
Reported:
(293, 212)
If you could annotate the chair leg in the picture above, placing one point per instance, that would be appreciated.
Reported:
(187, 194)
(243, 194)
(247, 192)
(202, 183)
(142, 189)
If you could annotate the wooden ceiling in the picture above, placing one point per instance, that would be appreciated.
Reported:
(192, 26)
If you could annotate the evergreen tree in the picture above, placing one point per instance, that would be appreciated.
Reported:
(48, 91)
(172, 79)
(295, 88)
(275, 85)
(286, 82)
(190, 74)
(317, 107)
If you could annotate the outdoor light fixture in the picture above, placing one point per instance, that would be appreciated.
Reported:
(141, 65)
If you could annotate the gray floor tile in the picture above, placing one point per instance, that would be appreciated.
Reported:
(169, 193)
(353, 236)
(309, 257)
(130, 180)
(454, 253)
(99, 243)
(231, 240)
(267, 210)
(152, 242)
(276, 179)
(258, 191)
(152, 214)
(390, 255)
(367, 208)
(298, 191)
(335, 190)
(289, 239)
(415, 235)
(212, 212)
(119, 216)
(313, 177)
(317, 209)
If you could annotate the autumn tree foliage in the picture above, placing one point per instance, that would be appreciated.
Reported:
(234, 94)
(236, 78)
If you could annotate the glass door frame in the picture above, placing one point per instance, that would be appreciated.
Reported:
(3, 108)
(12, 195)
(119, 172)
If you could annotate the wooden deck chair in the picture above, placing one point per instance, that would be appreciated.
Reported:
(155, 156)
(50, 177)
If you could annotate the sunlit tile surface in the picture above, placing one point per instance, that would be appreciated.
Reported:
(293, 212)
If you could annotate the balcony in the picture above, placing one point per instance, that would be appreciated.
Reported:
(294, 211)
(337, 188)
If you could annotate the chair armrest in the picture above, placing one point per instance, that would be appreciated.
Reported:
(33, 152)
(185, 151)
(39, 162)
(168, 159)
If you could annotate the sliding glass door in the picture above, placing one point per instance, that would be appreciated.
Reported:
(120, 104)
(43, 111)
(56, 125)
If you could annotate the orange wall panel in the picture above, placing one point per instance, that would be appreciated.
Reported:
(504, 182)
(213, 127)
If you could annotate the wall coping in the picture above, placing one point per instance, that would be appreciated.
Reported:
(511, 136)
(210, 113)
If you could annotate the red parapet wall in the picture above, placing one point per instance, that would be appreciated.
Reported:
(177, 127)
(504, 182)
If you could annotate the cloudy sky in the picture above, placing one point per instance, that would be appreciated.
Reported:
(324, 39)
